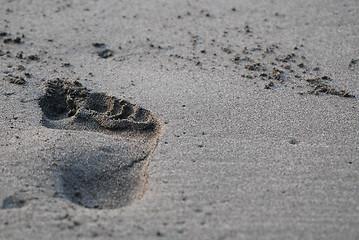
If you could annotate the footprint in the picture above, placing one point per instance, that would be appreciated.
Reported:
(70, 106)
(117, 138)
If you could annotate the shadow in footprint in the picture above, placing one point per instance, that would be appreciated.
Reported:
(99, 176)
(68, 105)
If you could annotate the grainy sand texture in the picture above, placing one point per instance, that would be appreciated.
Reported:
(179, 119)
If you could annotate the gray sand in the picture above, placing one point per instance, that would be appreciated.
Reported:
(253, 106)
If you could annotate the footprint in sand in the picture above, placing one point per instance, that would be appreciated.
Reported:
(108, 168)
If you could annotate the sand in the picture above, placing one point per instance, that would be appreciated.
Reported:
(179, 119)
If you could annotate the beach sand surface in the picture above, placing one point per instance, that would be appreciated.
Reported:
(179, 119)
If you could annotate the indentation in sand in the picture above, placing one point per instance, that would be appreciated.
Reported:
(100, 176)
(17, 200)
